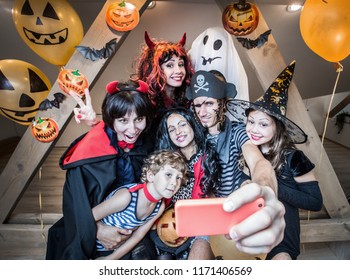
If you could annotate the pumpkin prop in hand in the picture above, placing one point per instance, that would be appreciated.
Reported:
(122, 16)
(45, 130)
(166, 229)
(241, 18)
(72, 80)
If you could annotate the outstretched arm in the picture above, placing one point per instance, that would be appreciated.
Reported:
(84, 112)
(263, 230)
(261, 169)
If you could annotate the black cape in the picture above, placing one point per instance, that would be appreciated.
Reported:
(91, 165)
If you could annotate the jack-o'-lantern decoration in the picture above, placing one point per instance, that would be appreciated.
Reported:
(22, 88)
(240, 18)
(166, 229)
(51, 28)
(45, 130)
(122, 16)
(72, 80)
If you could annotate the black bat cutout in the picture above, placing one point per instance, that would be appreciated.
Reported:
(257, 43)
(93, 54)
(47, 104)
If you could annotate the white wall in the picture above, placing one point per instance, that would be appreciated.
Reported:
(318, 108)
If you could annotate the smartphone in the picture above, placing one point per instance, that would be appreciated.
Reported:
(195, 217)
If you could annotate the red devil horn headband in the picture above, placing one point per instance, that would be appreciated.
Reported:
(149, 42)
(182, 42)
(112, 87)
(152, 45)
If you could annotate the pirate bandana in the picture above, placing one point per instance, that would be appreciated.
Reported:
(204, 83)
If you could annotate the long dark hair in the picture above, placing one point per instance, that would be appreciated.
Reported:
(210, 163)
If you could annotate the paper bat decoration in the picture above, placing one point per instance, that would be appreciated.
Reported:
(257, 43)
(47, 104)
(93, 54)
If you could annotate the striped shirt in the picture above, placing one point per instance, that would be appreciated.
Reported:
(126, 218)
(228, 145)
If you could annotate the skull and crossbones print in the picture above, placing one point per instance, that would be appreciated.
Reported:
(201, 84)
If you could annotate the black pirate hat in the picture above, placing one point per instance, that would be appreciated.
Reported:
(209, 84)
(273, 103)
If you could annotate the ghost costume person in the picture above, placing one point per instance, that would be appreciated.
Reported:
(214, 50)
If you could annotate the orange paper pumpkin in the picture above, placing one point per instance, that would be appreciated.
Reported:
(72, 80)
(45, 130)
(166, 229)
(241, 18)
(122, 16)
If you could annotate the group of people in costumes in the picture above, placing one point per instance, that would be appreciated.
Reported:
(167, 134)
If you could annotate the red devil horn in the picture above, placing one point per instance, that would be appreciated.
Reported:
(112, 87)
(182, 42)
(149, 42)
(143, 87)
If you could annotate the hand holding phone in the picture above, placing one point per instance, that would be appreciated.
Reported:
(194, 217)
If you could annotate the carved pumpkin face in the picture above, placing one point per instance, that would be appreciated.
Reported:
(166, 229)
(22, 88)
(240, 19)
(72, 80)
(45, 130)
(50, 28)
(122, 16)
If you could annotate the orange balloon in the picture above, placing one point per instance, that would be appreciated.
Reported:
(23, 87)
(52, 29)
(325, 28)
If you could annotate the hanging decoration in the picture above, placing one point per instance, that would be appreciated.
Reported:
(22, 88)
(72, 80)
(45, 130)
(48, 104)
(50, 28)
(324, 26)
(122, 16)
(240, 18)
(254, 43)
(93, 54)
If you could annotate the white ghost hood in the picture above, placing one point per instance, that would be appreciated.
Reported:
(214, 50)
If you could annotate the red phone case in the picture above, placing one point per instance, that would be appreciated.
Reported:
(206, 216)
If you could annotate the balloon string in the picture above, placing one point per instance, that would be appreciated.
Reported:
(41, 217)
(339, 70)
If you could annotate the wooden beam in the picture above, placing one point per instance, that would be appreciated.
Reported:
(342, 104)
(268, 63)
(29, 241)
(34, 218)
(325, 230)
(30, 154)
